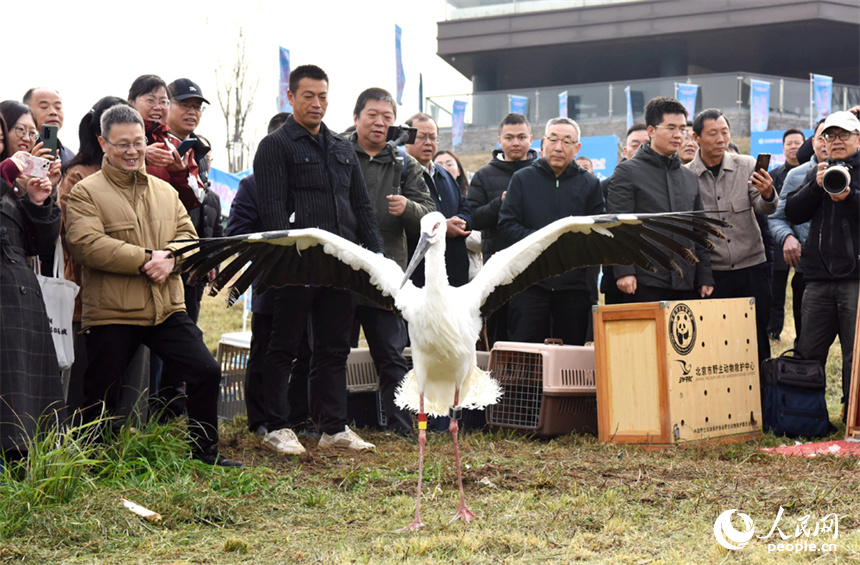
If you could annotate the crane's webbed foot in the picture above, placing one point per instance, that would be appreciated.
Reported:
(463, 513)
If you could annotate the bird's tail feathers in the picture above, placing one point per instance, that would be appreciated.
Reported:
(478, 390)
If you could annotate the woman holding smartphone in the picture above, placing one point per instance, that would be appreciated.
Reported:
(22, 135)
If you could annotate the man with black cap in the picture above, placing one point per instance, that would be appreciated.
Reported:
(183, 117)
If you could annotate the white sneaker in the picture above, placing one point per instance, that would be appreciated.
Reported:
(347, 438)
(283, 441)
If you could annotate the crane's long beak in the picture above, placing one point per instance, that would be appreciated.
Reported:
(417, 257)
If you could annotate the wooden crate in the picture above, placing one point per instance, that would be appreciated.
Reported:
(852, 417)
(675, 372)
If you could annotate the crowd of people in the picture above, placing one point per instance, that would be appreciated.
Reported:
(138, 186)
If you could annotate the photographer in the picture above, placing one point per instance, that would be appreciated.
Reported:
(829, 199)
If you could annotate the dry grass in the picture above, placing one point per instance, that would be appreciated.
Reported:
(566, 500)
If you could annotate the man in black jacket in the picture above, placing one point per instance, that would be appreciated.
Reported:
(551, 188)
(653, 180)
(487, 192)
(829, 257)
(308, 176)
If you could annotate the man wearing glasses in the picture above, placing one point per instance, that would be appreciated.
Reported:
(120, 225)
(653, 180)
(551, 188)
(829, 257)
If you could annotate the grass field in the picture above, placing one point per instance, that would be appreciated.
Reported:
(565, 500)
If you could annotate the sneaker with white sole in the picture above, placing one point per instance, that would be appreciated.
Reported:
(347, 438)
(283, 441)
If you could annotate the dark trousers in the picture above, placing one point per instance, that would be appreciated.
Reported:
(176, 340)
(386, 337)
(497, 325)
(797, 288)
(537, 314)
(264, 394)
(331, 312)
(777, 305)
(830, 309)
(754, 282)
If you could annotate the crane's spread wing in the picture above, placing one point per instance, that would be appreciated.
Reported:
(608, 239)
(312, 257)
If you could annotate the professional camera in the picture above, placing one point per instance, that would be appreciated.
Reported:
(836, 179)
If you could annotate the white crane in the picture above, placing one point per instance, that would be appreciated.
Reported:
(444, 321)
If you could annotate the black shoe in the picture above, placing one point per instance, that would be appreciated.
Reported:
(260, 431)
(212, 457)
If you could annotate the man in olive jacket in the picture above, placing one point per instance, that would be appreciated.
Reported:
(121, 222)
(399, 198)
(653, 180)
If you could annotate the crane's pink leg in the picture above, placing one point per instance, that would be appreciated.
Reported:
(422, 439)
(463, 513)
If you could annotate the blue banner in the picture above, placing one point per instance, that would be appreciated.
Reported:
(629, 107)
(687, 97)
(822, 89)
(420, 92)
(225, 186)
(518, 104)
(401, 74)
(770, 142)
(458, 122)
(562, 104)
(284, 82)
(603, 152)
(759, 105)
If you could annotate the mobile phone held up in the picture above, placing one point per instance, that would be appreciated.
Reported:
(401, 135)
(763, 162)
(49, 138)
(186, 144)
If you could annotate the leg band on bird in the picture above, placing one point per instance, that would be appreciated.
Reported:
(422, 421)
(455, 412)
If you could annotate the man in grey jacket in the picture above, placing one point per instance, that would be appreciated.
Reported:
(790, 237)
(399, 198)
(732, 191)
(653, 180)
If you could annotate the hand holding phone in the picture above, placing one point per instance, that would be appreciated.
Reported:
(36, 167)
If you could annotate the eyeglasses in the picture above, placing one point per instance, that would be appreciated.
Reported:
(198, 108)
(123, 146)
(422, 138)
(567, 141)
(843, 135)
(674, 129)
(151, 101)
(25, 133)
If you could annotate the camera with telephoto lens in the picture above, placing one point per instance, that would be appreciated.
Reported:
(836, 179)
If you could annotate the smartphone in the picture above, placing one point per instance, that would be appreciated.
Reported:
(763, 162)
(36, 166)
(49, 138)
(395, 132)
(186, 144)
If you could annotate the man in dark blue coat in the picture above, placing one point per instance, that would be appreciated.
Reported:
(551, 188)
(449, 201)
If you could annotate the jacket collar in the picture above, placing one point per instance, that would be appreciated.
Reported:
(387, 155)
(295, 130)
(698, 166)
(499, 162)
(647, 154)
(571, 170)
(122, 178)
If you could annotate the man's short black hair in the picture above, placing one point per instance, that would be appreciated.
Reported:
(705, 115)
(793, 131)
(373, 94)
(634, 128)
(312, 72)
(513, 119)
(277, 121)
(660, 106)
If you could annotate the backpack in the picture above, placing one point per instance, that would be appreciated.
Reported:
(792, 397)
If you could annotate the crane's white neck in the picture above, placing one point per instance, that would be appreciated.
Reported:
(435, 273)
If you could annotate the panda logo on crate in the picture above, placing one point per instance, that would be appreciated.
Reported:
(682, 329)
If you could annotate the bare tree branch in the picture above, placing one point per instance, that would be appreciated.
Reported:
(236, 91)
